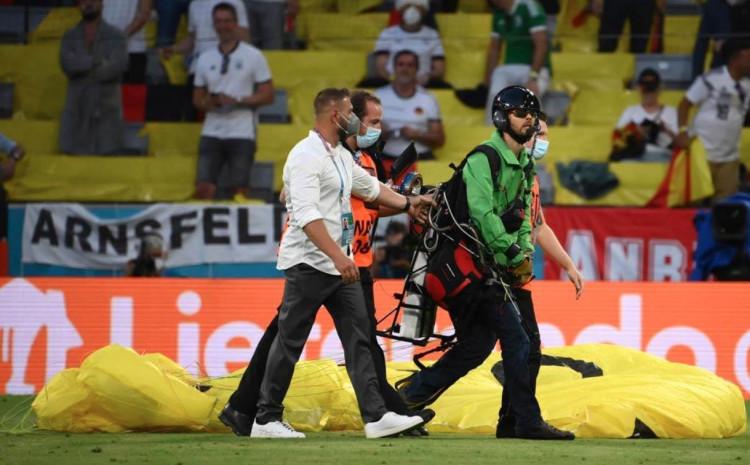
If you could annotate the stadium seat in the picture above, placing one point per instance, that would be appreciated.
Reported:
(173, 140)
(459, 140)
(35, 136)
(455, 113)
(262, 181)
(54, 25)
(274, 143)
(679, 33)
(556, 105)
(473, 6)
(356, 6)
(745, 146)
(290, 68)
(40, 84)
(591, 143)
(278, 111)
(593, 70)
(13, 20)
(464, 32)
(464, 69)
(339, 32)
(604, 107)
(676, 70)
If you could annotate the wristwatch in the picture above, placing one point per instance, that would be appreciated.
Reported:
(408, 204)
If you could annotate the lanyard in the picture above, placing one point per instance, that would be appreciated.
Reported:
(326, 145)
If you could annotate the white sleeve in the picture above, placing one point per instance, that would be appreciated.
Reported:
(625, 118)
(383, 44)
(437, 49)
(304, 189)
(364, 185)
(433, 109)
(241, 13)
(261, 71)
(669, 117)
(192, 20)
(698, 91)
(200, 78)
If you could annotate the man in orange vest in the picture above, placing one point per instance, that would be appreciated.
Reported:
(239, 412)
(542, 234)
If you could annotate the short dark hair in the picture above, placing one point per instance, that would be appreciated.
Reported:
(224, 6)
(359, 101)
(734, 46)
(328, 96)
(405, 51)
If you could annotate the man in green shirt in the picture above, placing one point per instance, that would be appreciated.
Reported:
(521, 26)
(481, 314)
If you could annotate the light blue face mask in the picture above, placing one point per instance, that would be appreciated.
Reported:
(371, 136)
(540, 149)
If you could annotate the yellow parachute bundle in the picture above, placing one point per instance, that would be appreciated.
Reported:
(115, 389)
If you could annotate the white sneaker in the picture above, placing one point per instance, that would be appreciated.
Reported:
(275, 429)
(390, 425)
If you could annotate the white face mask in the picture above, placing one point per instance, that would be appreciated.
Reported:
(371, 136)
(540, 149)
(411, 16)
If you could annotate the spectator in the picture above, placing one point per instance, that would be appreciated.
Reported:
(638, 13)
(654, 122)
(150, 260)
(202, 36)
(551, 9)
(231, 81)
(409, 113)
(130, 16)
(7, 170)
(93, 56)
(170, 12)
(393, 260)
(715, 26)
(723, 98)
(412, 34)
(522, 26)
(266, 19)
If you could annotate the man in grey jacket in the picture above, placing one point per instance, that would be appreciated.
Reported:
(93, 55)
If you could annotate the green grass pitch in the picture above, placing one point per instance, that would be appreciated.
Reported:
(32, 447)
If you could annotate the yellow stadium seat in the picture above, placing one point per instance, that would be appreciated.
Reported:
(35, 136)
(41, 84)
(567, 143)
(473, 6)
(290, 68)
(582, 39)
(604, 107)
(459, 140)
(464, 32)
(54, 25)
(455, 113)
(434, 172)
(10, 54)
(356, 6)
(745, 146)
(178, 140)
(274, 143)
(464, 69)
(593, 70)
(339, 32)
(680, 33)
(318, 6)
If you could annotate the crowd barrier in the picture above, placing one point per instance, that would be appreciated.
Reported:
(211, 327)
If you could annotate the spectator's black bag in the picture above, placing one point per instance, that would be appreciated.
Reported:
(588, 179)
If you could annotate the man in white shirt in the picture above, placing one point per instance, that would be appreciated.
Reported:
(656, 122)
(266, 19)
(410, 113)
(723, 99)
(231, 81)
(320, 175)
(412, 34)
(130, 16)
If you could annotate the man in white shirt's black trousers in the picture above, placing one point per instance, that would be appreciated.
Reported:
(315, 254)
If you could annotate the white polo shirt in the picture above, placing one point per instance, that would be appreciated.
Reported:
(120, 13)
(416, 111)
(425, 43)
(201, 24)
(637, 114)
(246, 69)
(722, 104)
(312, 184)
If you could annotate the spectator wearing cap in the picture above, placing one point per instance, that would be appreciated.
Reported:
(412, 34)
(410, 113)
(521, 27)
(130, 16)
(723, 98)
(656, 122)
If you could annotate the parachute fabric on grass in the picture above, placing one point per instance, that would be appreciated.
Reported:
(115, 389)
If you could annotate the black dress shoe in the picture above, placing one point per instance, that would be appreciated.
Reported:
(544, 430)
(238, 422)
(427, 414)
(506, 427)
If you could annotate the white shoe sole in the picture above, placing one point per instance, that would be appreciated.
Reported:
(396, 430)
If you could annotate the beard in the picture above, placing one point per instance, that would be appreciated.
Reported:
(90, 15)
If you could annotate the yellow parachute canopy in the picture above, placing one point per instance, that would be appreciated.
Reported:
(115, 389)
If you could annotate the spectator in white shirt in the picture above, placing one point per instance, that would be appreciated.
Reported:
(410, 113)
(656, 122)
(231, 81)
(130, 16)
(320, 175)
(266, 19)
(412, 34)
(723, 99)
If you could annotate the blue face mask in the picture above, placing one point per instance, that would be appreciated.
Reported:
(540, 149)
(371, 136)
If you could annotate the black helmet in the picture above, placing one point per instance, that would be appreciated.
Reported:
(512, 98)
